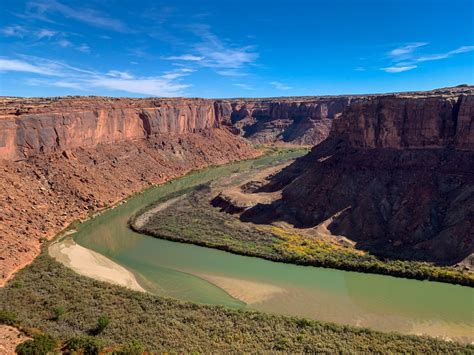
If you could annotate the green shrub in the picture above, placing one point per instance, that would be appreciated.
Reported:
(58, 312)
(132, 348)
(40, 344)
(102, 323)
(86, 344)
(8, 318)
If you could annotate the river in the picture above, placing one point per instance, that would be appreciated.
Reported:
(192, 273)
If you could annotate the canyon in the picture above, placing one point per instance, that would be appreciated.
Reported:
(65, 158)
(395, 176)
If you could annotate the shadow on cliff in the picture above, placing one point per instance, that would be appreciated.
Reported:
(406, 204)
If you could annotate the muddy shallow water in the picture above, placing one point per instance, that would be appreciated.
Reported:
(205, 275)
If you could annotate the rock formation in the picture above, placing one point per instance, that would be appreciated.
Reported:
(396, 175)
(62, 159)
(299, 120)
(396, 170)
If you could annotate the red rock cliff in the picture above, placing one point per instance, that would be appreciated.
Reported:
(398, 121)
(28, 127)
(396, 176)
(298, 120)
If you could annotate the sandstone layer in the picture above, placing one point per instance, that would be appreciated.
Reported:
(396, 176)
(44, 193)
(388, 155)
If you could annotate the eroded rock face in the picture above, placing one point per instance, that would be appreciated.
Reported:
(28, 127)
(409, 122)
(396, 175)
(294, 120)
(41, 195)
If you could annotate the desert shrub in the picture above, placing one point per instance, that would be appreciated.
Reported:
(132, 348)
(86, 344)
(40, 344)
(8, 318)
(102, 323)
(58, 312)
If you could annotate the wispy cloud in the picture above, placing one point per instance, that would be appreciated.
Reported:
(398, 69)
(84, 48)
(44, 33)
(244, 86)
(228, 59)
(16, 65)
(280, 86)
(120, 74)
(14, 31)
(231, 73)
(64, 43)
(41, 8)
(463, 49)
(406, 50)
(53, 73)
(186, 57)
(407, 58)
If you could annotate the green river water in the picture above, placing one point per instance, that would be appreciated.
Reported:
(178, 270)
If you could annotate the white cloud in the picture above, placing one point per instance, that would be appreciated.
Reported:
(44, 33)
(119, 74)
(64, 43)
(244, 86)
(212, 52)
(280, 86)
(15, 65)
(398, 69)
(359, 69)
(168, 84)
(188, 57)
(84, 48)
(14, 31)
(463, 49)
(40, 8)
(406, 49)
(404, 58)
(231, 72)
(153, 86)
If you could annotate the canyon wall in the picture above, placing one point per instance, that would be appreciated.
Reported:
(296, 120)
(29, 127)
(398, 166)
(34, 126)
(396, 176)
(400, 121)
(63, 159)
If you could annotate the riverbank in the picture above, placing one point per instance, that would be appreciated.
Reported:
(182, 326)
(42, 287)
(91, 264)
(194, 220)
(45, 193)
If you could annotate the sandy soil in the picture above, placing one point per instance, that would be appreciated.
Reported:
(89, 263)
(250, 292)
(235, 195)
(143, 219)
(10, 337)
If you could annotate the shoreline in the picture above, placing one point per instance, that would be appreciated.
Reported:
(92, 264)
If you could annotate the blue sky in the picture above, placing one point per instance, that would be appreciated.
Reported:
(233, 48)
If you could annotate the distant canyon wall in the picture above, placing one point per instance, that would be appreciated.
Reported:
(34, 126)
(293, 120)
(431, 119)
(398, 121)
(31, 127)
(395, 175)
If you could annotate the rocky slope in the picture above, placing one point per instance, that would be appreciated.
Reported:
(298, 120)
(396, 175)
(62, 159)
